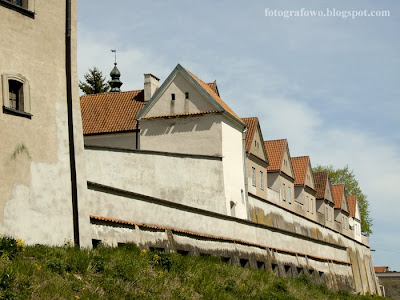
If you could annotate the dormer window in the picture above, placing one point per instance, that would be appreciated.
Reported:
(172, 97)
(187, 95)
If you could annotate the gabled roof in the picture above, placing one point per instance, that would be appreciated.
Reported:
(252, 126)
(338, 193)
(352, 202)
(381, 269)
(214, 95)
(321, 180)
(300, 165)
(111, 112)
(209, 92)
(275, 150)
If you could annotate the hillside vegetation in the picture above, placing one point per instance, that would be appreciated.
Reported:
(41, 272)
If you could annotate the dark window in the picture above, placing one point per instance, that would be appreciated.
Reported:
(226, 259)
(183, 252)
(300, 271)
(172, 96)
(287, 269)
(274, 268)
(16, 95)
(95, 243)
(186, 95)
(244, 263)
(22, 3)
(260, 265)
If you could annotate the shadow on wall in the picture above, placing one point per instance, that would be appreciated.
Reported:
(173, 126)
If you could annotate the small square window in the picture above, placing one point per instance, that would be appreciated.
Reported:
(187, 95)
(172, 97)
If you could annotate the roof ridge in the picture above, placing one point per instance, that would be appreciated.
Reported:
(106, 93)
(275, 140)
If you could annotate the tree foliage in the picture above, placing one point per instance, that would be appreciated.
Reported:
(346, 176)
(94, 82)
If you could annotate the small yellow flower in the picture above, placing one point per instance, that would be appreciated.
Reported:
(20, 243)
(37, 266)
(77, 297)
(142, 292)
(143, 252)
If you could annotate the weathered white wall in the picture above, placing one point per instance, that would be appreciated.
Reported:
(184, 179)
(125, 140)
(191, 135)
(35, 184)
(233, 157)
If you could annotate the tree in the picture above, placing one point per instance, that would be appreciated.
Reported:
(346, 177)
(94, 83)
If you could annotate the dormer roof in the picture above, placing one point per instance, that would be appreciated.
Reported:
(253, 127)
(302, 166)
(277, 150)
(323, 186)
(352, 201)
(339, 197)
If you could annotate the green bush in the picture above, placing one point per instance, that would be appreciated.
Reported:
(10, 247)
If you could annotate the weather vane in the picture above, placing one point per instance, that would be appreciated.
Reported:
(115, 51)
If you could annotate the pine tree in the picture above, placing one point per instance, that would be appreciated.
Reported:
(94, 82)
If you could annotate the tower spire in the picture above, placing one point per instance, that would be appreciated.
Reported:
(115, 83)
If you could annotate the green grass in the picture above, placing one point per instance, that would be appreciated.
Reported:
(40, 272)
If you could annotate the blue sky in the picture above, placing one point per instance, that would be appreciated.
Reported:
(330, 85)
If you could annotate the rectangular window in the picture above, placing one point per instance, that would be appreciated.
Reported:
(16, 95)
(283, 192)
(326, 214)
(343, 225)
(187, 95)
(311, 205)
(172, 97)
(307, 203)
(261, 180)
(289, 196)
(253, 176)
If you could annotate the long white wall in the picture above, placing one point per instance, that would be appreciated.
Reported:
(197, 181)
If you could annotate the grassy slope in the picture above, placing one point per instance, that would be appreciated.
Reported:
(41, 272)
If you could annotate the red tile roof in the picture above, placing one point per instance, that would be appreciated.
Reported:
(275, 150)
(214, 95)
(300, 166)
(337, 193)
(352, 201)
(251, 129)
(320, 180)
(381, 269)
(110, 112)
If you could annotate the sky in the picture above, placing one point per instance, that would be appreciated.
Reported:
(330, 85)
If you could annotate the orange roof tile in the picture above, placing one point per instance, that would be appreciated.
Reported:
(110, 112)
(251, 129)
(352, 201)
(337, 193)
(381, 269)
(275, 150)
(320, 180)
(214, 95)
(300, 165)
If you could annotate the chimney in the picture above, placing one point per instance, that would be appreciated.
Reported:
(150, 86)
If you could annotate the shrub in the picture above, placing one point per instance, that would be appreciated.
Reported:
(9, 247)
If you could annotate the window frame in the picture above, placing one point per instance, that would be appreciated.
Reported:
(26, 8)
(283, 192)
(26, 112)
(289, 195)
(253, 176)
(261, 180)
